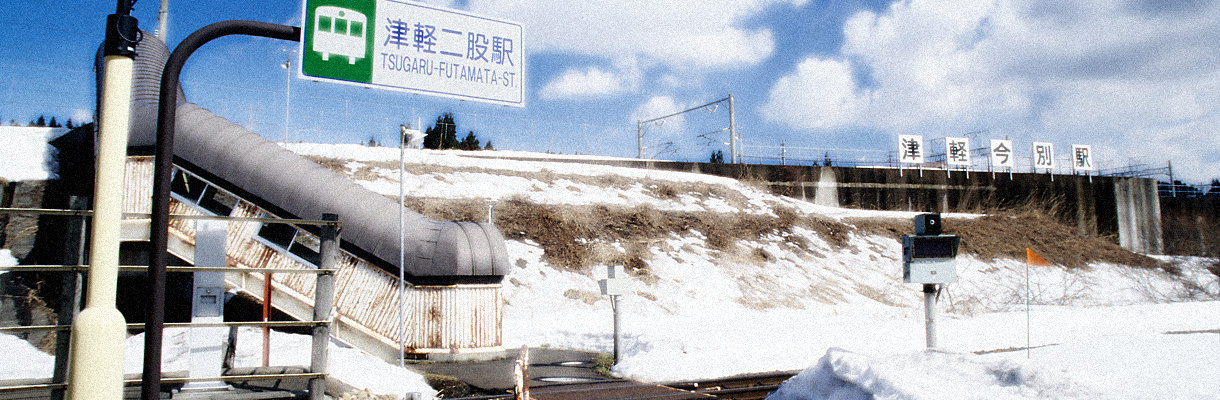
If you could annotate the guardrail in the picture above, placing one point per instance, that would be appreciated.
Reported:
(323, 298)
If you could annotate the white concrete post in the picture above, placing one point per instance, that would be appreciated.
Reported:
(207, 344)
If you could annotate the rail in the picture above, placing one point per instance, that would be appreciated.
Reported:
(320, 324)
(133, 382)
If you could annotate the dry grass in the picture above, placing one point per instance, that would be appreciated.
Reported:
(339, 166)
(1007, 235)
(577, 237)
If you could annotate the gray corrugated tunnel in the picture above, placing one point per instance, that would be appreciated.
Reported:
(306, 189)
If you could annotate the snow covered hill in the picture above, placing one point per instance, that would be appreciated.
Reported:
(786, 300)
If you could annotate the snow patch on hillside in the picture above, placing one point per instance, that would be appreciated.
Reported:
(707, 313)
(27, 156)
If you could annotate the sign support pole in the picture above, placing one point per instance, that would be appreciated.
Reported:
(618, 344)
(615, 285)
(929, 314)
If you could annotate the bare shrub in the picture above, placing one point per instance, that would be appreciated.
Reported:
(664, 190)
(338, 166)
(585, 296)
(365, 173)
(557, 232)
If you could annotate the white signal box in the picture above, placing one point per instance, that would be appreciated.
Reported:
(929, 258)
(616, 283)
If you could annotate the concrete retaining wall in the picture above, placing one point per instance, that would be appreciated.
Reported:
(1191, 226)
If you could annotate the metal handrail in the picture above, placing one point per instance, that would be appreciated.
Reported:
(273, 324)
(89, 213)
(133, 382)
(84, 268)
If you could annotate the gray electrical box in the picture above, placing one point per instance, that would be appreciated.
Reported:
(929, 258)
(209, 301)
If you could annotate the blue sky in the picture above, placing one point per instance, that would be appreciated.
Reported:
(1139, 80)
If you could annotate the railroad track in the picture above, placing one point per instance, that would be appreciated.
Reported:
(746, 387)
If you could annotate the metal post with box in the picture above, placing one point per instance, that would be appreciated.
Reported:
(614, 286)
(929, 257)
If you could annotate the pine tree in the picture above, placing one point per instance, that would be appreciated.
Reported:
(488, 146)
(442, 135)
(717, 157)
(470, 142)
(432, 140)
(53, 124)
(69, 124)
(42, 121)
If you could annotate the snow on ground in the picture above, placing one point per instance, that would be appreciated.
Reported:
(27, 156)
(702, 320)
(7, 259)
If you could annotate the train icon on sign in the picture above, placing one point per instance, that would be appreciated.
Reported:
(339, 31)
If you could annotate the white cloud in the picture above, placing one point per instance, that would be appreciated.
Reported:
(821, 94)
(696, 34)
(1113, 74)
(593, 82)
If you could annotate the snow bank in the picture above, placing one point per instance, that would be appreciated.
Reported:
(1150, 366)
(22, 360)
(842, 374)
(29, 157)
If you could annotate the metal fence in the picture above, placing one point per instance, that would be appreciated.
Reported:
(72, 285)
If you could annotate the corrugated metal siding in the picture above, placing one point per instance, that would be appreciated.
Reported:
(443, 318)
(455, 317)
(137, 196)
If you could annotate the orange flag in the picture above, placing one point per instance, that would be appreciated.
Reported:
(1032, 258)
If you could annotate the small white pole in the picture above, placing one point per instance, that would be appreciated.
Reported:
(618, 349)
(402, 248)
(1027, 341)
(929, 313)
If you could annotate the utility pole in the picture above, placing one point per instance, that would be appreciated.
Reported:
(163, 22)
(783, 152)
(732, 131)
(639, 139)
(96, 370)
